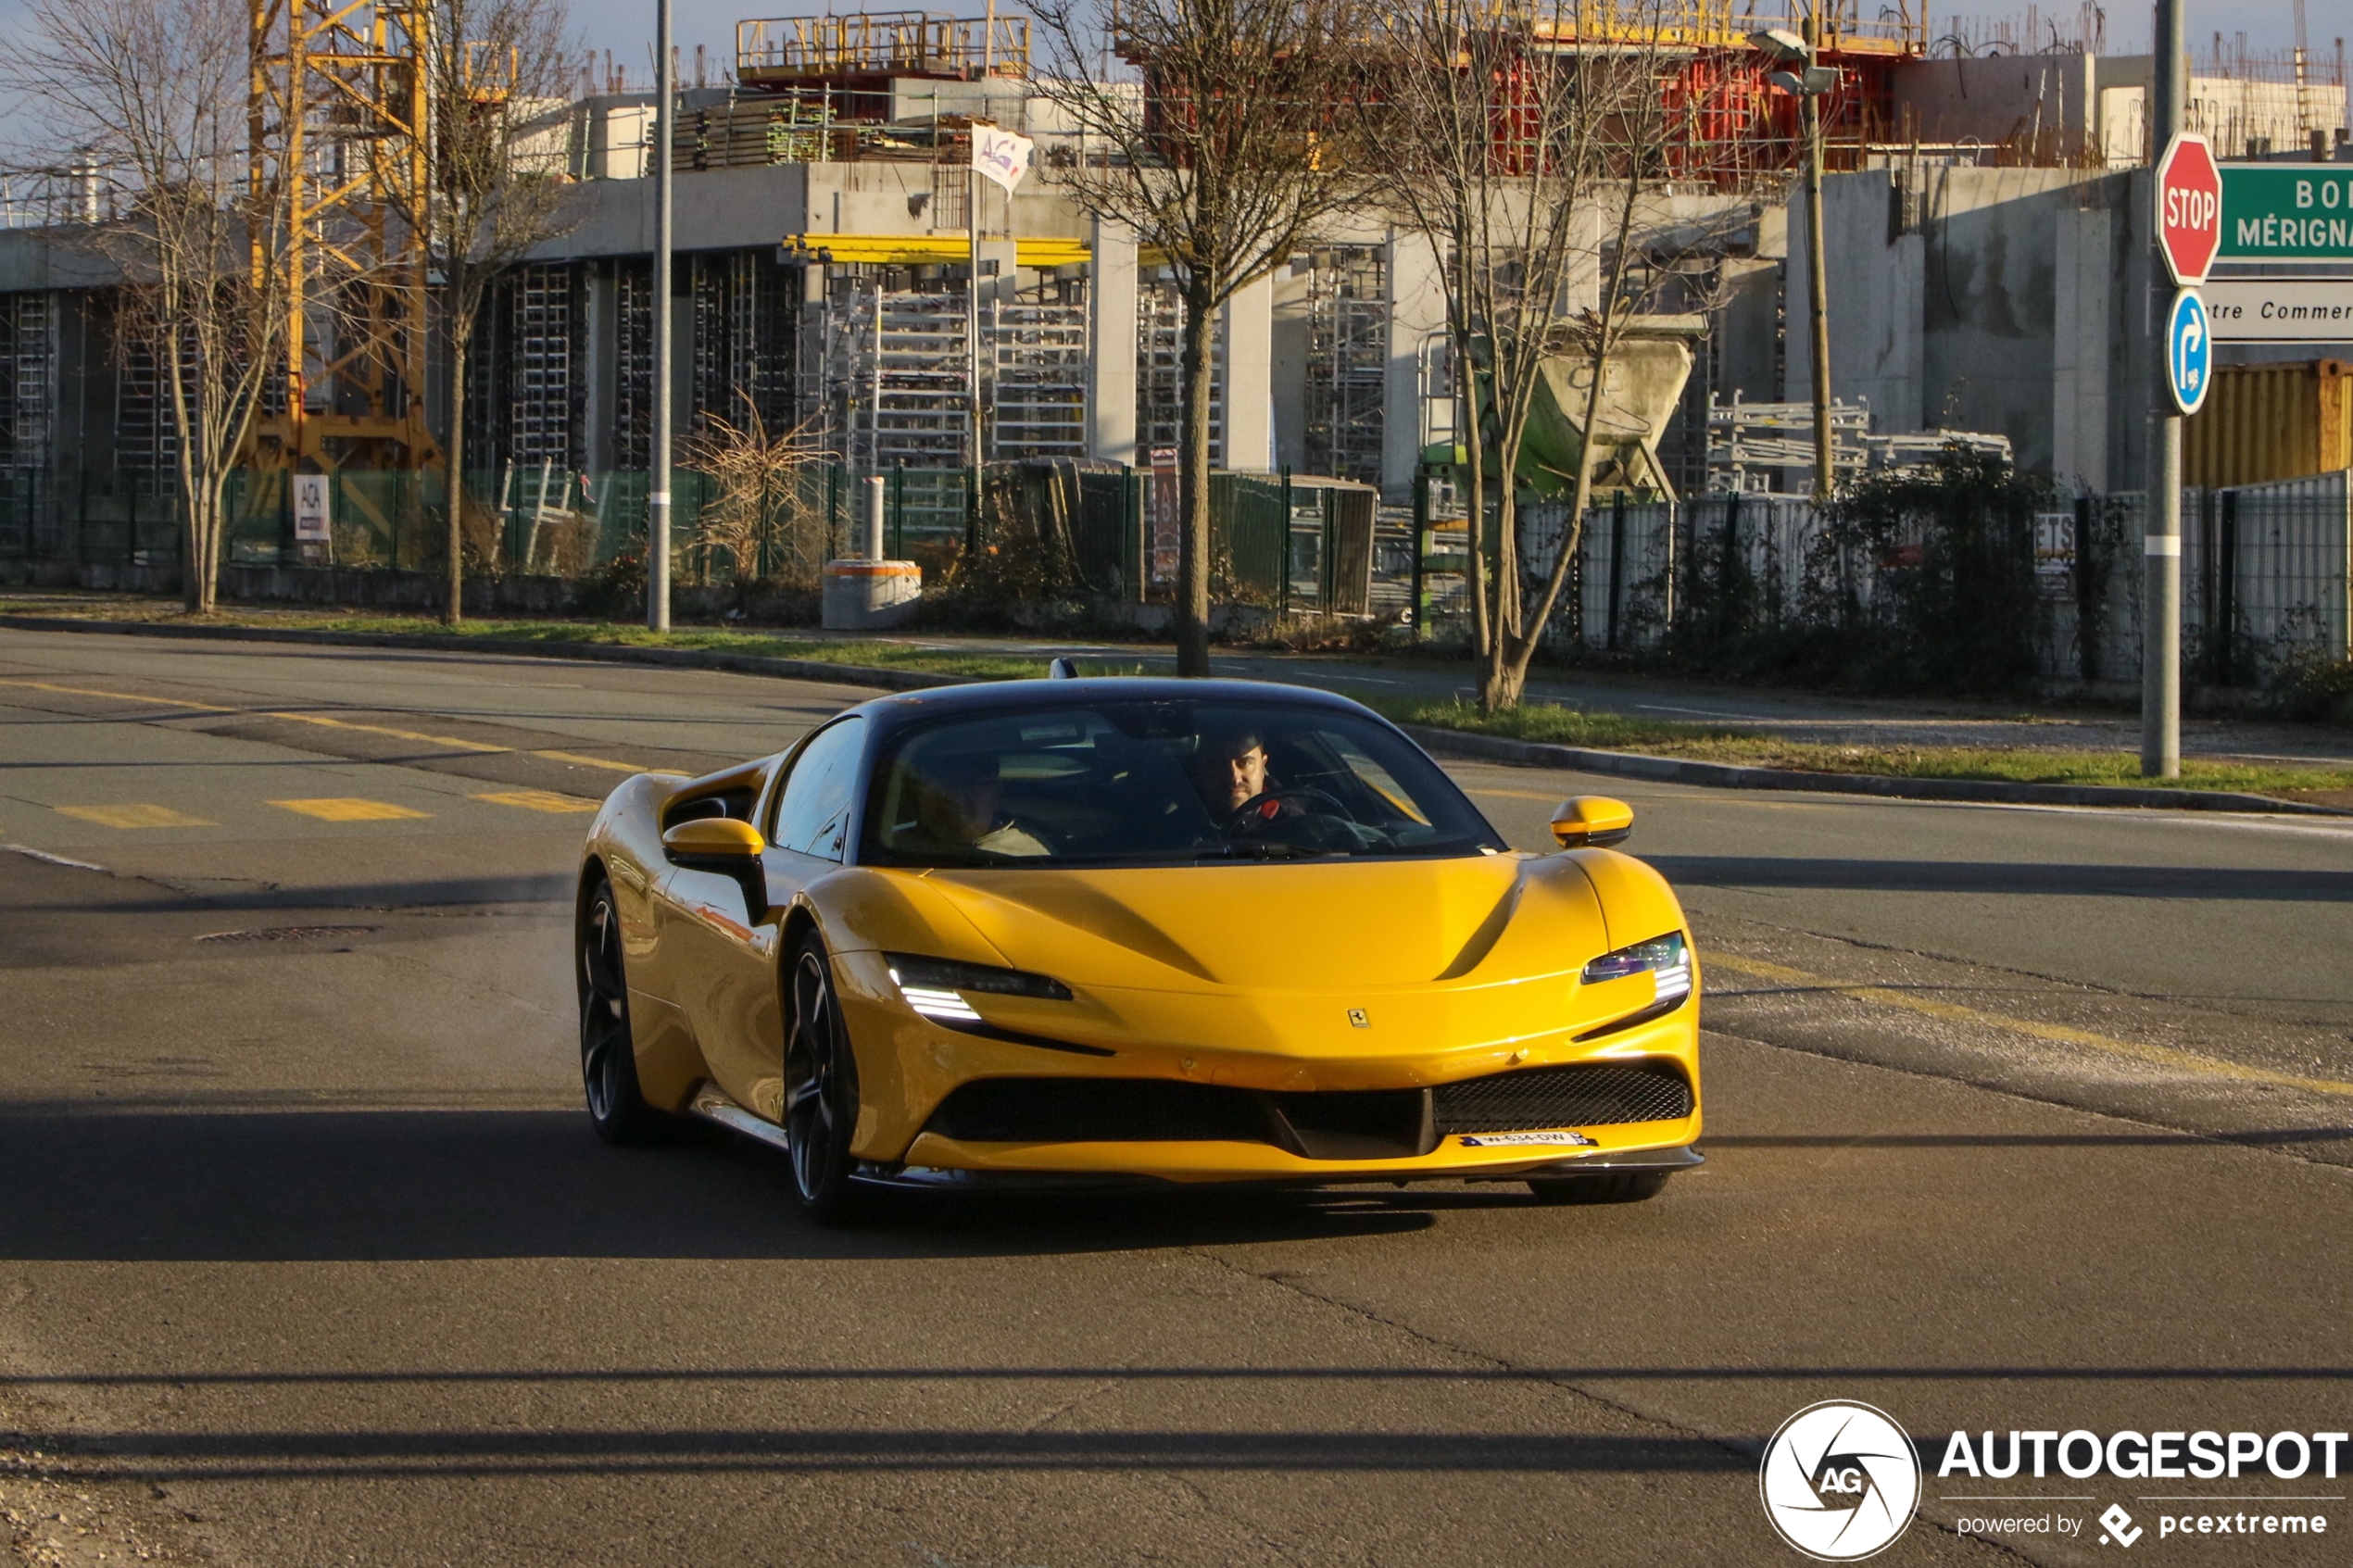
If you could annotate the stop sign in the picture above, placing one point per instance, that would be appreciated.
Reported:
(2189, 207)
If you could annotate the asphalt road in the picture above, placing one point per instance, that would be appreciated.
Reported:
(2018, 1119)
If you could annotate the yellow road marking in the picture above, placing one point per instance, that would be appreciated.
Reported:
(383, 730)
(136, 817)
(452, 741)
(609, 766)
(536, 800)
(351, 810)
(2160, 1056)
(1513, 794)
(120, 696)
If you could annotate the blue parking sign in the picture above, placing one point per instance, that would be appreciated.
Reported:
(2189, 351)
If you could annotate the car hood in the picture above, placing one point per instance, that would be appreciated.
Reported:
(1353, 925)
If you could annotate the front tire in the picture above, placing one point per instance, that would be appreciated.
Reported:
(1612, 1187)
(617, 1107)
(821, 1089)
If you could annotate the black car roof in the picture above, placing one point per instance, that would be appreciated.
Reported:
(992, 696)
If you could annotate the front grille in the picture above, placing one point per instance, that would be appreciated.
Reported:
(1539, 1097)
(1330, 1124)
(1369, 1125)
(1100, 1110)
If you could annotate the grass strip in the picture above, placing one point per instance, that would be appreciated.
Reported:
(1551, 725)
(759, 644)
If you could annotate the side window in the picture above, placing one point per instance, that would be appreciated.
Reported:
(814, 809)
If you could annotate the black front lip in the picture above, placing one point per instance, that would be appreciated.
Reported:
(1083, 1182)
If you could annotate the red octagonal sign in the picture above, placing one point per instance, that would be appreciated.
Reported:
(2189, 207)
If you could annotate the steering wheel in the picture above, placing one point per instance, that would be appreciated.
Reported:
(1264, 810)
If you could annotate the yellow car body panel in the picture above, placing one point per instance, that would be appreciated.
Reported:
(1285, 977)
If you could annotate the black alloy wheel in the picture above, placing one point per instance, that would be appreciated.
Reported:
(1610, 1187)
(821, 1087)
(608, 1054)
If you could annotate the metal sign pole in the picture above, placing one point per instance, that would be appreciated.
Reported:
(658, 487)
(2162, 542)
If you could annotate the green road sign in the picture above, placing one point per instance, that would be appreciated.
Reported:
(2287, 212)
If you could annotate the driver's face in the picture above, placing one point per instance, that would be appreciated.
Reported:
(1238, 776)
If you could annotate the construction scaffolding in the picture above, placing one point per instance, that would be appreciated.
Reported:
(893, 383)
(1036, 391)
(1347, 370)
(527, 363)
(339, 115)
(634, 368)
(745, 338)
(1160, 372)
(145, 437)
(28, 381)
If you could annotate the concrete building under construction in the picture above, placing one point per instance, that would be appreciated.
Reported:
(823, 276)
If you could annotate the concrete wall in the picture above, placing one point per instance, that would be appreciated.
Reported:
(2010, 300)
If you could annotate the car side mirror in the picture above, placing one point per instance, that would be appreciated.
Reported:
(1589, 822)
(728, 846)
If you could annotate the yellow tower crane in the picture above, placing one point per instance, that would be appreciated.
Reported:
(339, 110)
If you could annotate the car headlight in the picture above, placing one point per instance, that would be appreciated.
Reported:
(934, 988)
(1665, 959)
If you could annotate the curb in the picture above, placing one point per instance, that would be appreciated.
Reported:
(609, 653)
(1728, 775)
(1457, 742)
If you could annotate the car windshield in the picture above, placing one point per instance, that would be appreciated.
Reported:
(1155, 783)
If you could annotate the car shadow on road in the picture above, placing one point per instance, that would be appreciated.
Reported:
(266, 1185)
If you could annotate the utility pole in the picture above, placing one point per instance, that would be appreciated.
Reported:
(1817, 266)
(972, 310)
(2161, 544)
(658, 485)
(1802, 76)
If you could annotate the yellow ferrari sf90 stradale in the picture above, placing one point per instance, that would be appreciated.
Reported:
(1077, 933)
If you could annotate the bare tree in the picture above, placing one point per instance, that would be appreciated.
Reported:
(1522, 140)
(1225, 159)
(494, 81)
(757, 477)
(149, 98)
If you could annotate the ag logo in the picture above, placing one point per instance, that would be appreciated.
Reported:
(1840, 1480)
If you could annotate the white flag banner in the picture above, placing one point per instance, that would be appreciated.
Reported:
(1001, 155)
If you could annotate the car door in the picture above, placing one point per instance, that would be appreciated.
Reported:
(728, 955)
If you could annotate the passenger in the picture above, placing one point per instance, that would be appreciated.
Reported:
(956, 797)
(1230, 768)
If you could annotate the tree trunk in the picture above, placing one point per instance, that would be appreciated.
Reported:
(1193, 544)
(454, 591)
(210, 534)
(194, 598)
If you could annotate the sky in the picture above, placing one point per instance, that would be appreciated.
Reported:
(2269, 24)
(628, 29)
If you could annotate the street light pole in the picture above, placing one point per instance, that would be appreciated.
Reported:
(1817, 267)
(658, 485)
(2161, 542)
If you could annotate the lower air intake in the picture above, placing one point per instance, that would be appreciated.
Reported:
(1333, 1124)
(1540, 1098)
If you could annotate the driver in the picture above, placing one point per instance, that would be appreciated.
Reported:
(956, 798)
(1230, 768)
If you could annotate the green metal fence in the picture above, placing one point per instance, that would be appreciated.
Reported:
(1274, 543)
(541, 522)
